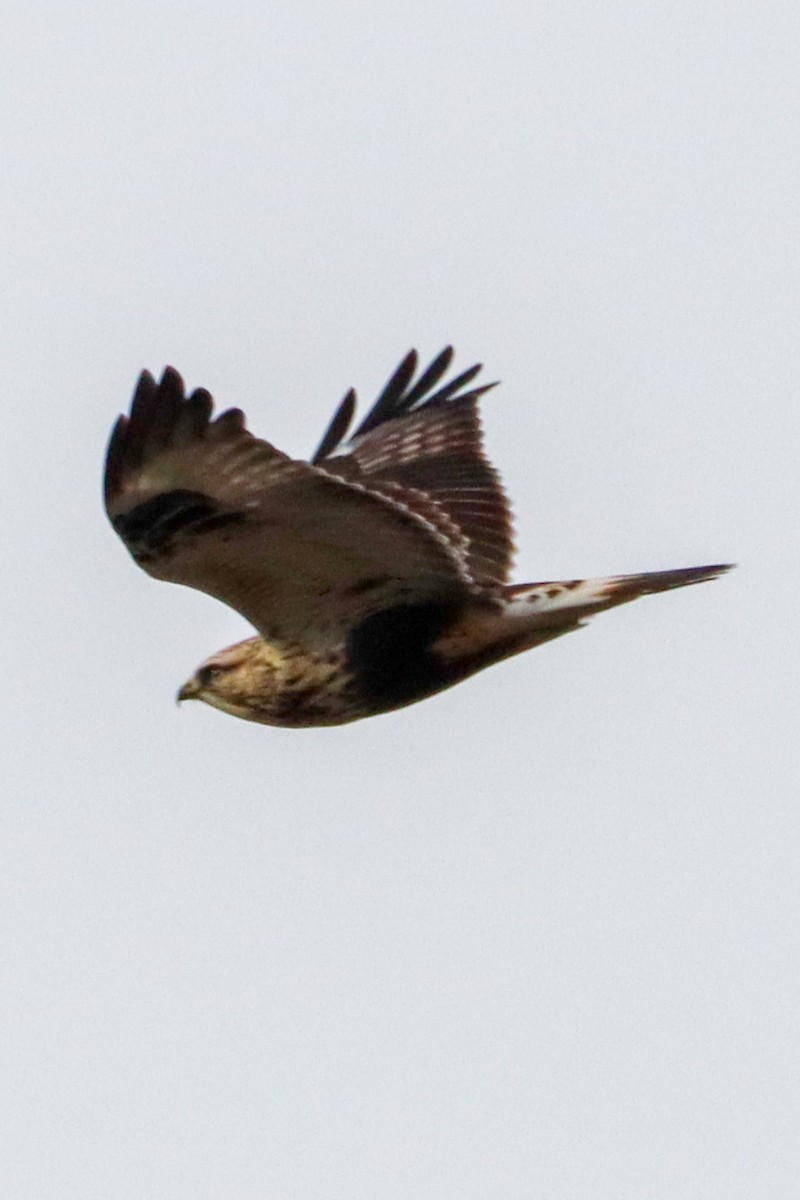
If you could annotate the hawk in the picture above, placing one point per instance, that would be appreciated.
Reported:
(375, 573)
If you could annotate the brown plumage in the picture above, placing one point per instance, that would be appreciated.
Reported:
(375, 574)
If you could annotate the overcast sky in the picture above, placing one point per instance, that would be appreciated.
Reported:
(538, 936)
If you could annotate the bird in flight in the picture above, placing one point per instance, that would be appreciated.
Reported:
(375, 574)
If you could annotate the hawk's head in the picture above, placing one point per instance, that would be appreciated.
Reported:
(261, 682)
(240, 680)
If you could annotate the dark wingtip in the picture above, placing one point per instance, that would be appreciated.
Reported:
(159, 413)
(426, 382)
(402, 395)
(114, 458)
(171, 382)
(337, 430)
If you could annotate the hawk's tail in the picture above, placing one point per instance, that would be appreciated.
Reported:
(568, 602)
(532, 613)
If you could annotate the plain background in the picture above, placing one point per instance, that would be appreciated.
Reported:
(537, 937)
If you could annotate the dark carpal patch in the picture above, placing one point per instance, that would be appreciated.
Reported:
(390, 657)
(152, 526)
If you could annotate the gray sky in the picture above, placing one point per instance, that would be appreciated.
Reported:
(536, 937)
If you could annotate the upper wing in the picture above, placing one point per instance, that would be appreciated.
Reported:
(296, 549)
(416, 440)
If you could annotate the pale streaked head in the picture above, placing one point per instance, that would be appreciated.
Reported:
(237, 680)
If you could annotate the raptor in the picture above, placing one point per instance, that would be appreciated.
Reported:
(376, 574)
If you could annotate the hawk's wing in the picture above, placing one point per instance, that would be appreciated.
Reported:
(297, 550)
(426, 441)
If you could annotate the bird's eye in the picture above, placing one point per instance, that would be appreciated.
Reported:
(207, 675)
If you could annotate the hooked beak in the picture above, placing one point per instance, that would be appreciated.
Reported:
(189, 691)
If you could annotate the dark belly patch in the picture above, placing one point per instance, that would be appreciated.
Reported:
(390, 657)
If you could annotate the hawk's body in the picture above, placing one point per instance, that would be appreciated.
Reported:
(375, 574)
